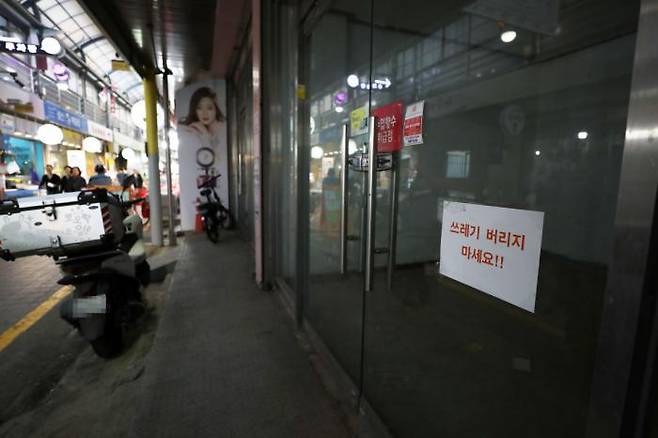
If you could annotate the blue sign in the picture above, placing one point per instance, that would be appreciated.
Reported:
(59, 115)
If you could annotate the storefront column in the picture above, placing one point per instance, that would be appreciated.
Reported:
(155, 198)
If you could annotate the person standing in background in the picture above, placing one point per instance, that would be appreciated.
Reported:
(50, 181)
(65, 179)
(100, 179)
(121, 176)
(76, 182)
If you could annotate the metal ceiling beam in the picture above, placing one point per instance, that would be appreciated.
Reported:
(113, 25)
(91, 41)
(19, 16)
(15, 12)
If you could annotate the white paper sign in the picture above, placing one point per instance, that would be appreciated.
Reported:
(412, 131)
(493, 249)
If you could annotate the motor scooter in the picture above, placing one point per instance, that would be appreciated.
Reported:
(99, 248)
(213, 213)
(107, 287)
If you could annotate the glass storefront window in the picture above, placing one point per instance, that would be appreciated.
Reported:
(28, 155)
(525, 107)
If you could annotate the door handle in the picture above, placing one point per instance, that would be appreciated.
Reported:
(371, 205)
(343, 189)
(393, 220)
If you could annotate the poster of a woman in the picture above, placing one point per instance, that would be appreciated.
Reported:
(201, 127)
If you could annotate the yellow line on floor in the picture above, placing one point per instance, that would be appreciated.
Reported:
(31, 318)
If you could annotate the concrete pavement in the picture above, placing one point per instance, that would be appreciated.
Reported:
(225, 361)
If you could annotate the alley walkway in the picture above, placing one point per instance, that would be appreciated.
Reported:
(225, 361)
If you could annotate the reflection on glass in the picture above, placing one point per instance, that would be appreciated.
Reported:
(532, 120)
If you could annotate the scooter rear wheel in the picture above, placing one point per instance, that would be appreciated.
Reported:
(226, 219)
(212, 232)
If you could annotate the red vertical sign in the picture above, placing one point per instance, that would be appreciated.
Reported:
(388, 128)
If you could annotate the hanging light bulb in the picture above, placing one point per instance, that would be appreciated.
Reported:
(92, 144)
(128, 154)
(50, 134)
(51, 46)
(138, 114)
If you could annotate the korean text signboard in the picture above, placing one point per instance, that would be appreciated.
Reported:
(388, 128)
(98, 130)
(59, 115)
(493, 249)
(413, 124)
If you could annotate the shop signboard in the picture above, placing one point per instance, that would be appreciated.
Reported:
(98, 130)
(388, 127)
(59, 115)
(359, 121)
(495, 250)
(413, 124)
(120, 65)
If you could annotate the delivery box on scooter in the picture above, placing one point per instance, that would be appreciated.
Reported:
(60, 225)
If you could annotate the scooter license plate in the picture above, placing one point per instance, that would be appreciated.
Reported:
(89, 306)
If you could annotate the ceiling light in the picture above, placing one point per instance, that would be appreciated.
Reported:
(537, 152)
(51, 46)
(508, 36)
(582, 135)
(353, 80)
(317, 152)
(50, 134)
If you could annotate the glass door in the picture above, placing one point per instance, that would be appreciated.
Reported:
(337, 109)
(512, 141)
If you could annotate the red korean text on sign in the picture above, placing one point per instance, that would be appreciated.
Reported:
(466, 229)
(484, 257)
(388, 127)
(413, 126)
(508, 239)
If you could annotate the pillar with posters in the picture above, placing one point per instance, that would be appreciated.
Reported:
(202, 149)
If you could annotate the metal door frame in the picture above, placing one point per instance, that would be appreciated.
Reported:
(627, 343)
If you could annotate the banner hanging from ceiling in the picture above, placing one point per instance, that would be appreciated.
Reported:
(202, 150)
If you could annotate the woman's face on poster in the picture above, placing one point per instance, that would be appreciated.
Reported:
(205, 111)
